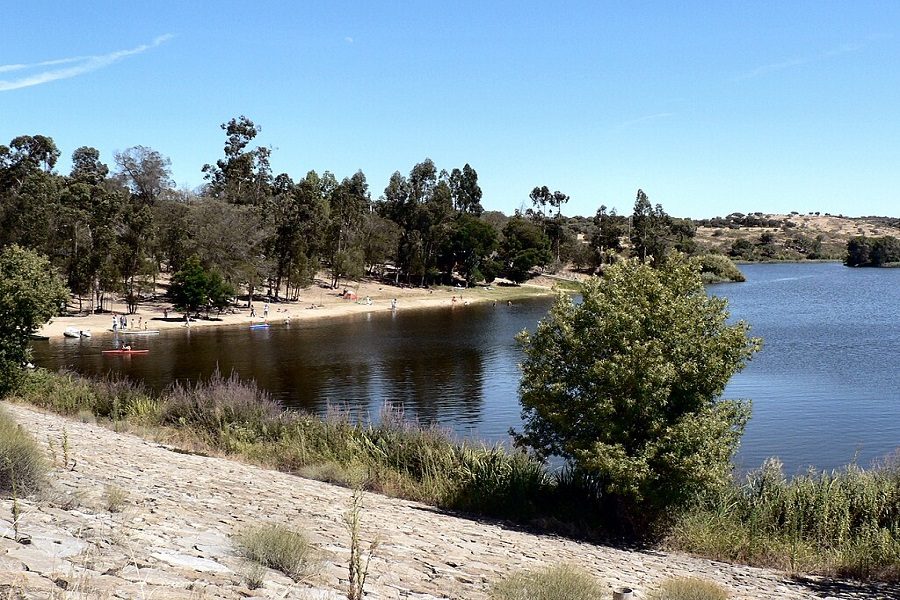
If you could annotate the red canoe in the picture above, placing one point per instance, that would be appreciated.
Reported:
(125, 351)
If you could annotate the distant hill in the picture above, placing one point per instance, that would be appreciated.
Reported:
(763, 236)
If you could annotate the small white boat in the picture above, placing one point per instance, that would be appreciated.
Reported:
(138, 331)
(74, 332)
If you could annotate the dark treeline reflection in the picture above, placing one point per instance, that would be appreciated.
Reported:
(454, 367)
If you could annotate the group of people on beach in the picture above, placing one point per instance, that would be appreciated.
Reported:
(121, 322)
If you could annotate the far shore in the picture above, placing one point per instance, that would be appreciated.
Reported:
(316, 302)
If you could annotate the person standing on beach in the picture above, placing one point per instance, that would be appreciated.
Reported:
(266, 310)
(115, 326)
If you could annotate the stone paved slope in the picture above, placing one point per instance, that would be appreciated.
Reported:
(172, 538)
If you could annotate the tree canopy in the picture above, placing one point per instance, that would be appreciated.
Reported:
(626, 385)
(31, 293)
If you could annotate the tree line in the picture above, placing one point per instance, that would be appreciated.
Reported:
(111, 230)
(865, 251)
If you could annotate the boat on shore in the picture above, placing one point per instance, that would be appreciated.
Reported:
(75, 332)
(259, 326)
(39, 338)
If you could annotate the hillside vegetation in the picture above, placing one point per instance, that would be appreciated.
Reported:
(762, 236)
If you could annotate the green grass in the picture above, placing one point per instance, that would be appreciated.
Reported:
(689, 588)
(23, 467)
(844, 523)
(280, 548)
(560, 582)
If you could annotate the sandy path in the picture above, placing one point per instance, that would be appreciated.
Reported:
(173, 537)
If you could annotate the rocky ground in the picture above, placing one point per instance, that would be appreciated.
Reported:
(129, 518)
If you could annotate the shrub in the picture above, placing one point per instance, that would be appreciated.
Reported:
(716, 268)
(689, 588)
(279, 548)
(560, 582)
(626, 387)
(845, 523)
(22, 464)
(228, 410)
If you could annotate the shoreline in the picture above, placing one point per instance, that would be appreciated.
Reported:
(328, 303)
(172, 530)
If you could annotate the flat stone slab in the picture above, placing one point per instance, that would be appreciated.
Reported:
(173, 537)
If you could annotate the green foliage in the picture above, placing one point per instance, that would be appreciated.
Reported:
(742, 248)
(863, 251)
(524, 247)
(194, 287)
(30, 294)
(716, 268)
(23, 468)
(845, 523)
(626, 385)
(560, 582)
(689, 588)
(650, 230)
(470, 244)
(280, 548)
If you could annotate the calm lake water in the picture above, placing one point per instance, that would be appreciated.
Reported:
(825, 388)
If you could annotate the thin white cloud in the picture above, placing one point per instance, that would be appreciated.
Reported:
(799, 61)
(82, 65)
(646, 118)
(348, 39)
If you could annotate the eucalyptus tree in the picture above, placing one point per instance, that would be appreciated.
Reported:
(465, 191)
(300, 216)
(650, 229)
(609, 228)
(378, 239)
(543, 201)
(470, 244)
(29, 192)
(524, 246)
(244, 175)
(349, 202)
(231, 240)
(91, 207)
(146, 173)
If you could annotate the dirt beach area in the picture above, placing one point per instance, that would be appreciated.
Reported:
(316, 302)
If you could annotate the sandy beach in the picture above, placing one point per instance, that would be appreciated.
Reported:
(316, 302)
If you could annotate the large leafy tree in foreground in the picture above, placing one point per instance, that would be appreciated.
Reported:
(30, 294)
(626, 386)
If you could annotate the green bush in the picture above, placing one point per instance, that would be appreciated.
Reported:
(626, 387)
(279, 548)
(553, 583)
(689, 588)
(22, 464)
(718, 268)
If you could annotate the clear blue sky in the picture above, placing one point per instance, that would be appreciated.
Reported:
(710, 107)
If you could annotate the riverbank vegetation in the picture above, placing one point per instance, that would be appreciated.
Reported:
(864, 251)
(845, 523)
(23, 467)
